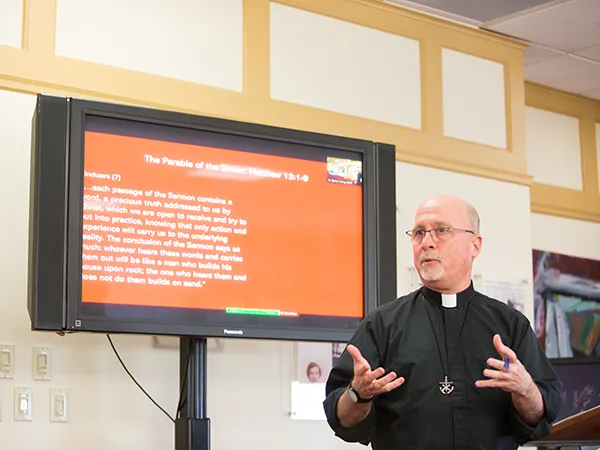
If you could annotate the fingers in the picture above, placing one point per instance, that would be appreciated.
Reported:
(361, 369)
(356, 355)
(512, 356)
(496, 374)
(392, 385)
(503, 350)
(380, 371)
(371, 382)
(499, 344)
(385, 384)
(361, 365)
(491, 383)
(500, 378)
(496, 364)
(379, 383)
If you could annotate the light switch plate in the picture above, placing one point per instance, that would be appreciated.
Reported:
(7, 361)
(42, 363)
(23, 404)
(59, 405)
(1, 404)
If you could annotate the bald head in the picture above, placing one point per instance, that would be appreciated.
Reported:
(459, 206)
(444, 257)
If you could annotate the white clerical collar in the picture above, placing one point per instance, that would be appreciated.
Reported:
(457, 300)
(449, 300)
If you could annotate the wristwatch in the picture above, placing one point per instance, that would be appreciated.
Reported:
(355, 398)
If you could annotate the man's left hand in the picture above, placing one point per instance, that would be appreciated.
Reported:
(515, 379)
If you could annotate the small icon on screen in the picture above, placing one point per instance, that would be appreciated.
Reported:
(344, 171)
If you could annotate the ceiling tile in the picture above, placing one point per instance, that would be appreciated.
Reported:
(478, 10)
(591, 53)
(565, 73)
(595, 94)
(535, 54)
(569, 25)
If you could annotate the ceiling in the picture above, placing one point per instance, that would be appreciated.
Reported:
(564, 35)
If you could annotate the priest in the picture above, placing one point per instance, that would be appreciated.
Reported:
(443, 367)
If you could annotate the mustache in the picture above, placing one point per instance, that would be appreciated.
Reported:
(430, 257)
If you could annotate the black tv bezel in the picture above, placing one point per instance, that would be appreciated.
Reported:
(379, 258)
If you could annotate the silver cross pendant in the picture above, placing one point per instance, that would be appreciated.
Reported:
(446, 387)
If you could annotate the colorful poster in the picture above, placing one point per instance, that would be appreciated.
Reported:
(567, 305)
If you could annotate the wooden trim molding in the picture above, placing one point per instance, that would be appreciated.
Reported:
(39, 25)
(560, 201)
(35, 68)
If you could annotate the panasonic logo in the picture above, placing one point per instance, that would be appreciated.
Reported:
(239, 332)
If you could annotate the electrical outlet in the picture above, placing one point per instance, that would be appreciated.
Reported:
(42, 363)
(23, 404)
(59, 409)
(7, 361)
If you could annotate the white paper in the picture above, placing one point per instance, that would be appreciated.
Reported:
(478, 284)
(414, 282)
(307, 401)
(513, 294)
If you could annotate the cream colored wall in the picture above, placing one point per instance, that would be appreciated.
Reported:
(351, 73)
(560, 148)
(597, 132)
(11, 23)
(420, 103)
(196, 41)
(566, 236)
(562, 138)
(553, 148)
(474, 104)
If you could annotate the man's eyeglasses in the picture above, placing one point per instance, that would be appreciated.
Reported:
(440, 233)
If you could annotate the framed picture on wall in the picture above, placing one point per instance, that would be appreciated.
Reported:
(567, 306)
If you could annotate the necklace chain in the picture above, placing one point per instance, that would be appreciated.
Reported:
(446, 387)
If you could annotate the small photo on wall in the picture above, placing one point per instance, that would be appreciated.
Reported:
(313, 362)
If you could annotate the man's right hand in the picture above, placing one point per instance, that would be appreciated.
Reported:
(369, 383)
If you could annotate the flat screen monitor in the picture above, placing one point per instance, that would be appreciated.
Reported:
(154, 222)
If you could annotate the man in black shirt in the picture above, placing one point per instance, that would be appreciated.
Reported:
(444, 367)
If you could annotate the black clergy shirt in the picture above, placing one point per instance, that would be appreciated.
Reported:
(399, 336)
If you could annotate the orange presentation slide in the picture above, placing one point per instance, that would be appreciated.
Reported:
(178, 225)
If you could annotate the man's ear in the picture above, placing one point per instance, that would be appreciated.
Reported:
(477, 243)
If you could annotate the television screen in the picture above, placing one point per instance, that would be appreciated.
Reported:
(184, 225)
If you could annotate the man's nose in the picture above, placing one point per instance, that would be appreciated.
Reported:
(428, 241)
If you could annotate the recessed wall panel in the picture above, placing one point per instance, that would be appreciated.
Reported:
(474, 99)
(553, 148)
(11, 22)
(192, 40)
(338, 66)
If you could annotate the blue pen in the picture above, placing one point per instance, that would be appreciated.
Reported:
(506, 363)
